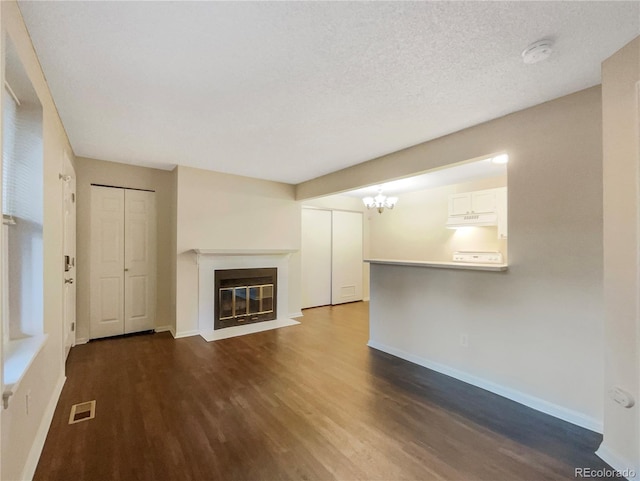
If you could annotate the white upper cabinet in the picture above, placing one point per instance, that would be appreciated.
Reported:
(483, 201)
(459, 204)
(479, 202)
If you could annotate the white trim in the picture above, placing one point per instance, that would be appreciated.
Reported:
(38, 443)
(209, 263)
(181, 334)
(81, 340)
(616, 461)
(18, 356)
(331, 209)
(555, 410)
(167, 328)
(296, 314)
(366, 299)
(12, 93)
(244, 252)
(235, 331)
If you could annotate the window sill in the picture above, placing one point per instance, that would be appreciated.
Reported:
(19, 355)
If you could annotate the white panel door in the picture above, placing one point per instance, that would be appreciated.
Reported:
(346, 265)
(69, 252)
(107, 262)
(316, 258)
(139, 260)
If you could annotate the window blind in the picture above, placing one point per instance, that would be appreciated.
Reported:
(21, 160)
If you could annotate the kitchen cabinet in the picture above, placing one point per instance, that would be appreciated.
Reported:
(489, 201)
(478, 202)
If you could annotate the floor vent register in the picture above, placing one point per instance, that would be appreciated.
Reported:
(82, 412)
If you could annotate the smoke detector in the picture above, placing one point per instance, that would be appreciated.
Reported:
(537, 51)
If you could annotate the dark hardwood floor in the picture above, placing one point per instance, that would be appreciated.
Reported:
(308, 402)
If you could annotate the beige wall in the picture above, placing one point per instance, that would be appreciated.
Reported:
(90, 171)
(621, 140)
(222, 211)
(416, 228)
(535, 332)
(22, 435)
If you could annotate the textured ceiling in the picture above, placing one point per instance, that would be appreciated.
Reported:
(289, 91)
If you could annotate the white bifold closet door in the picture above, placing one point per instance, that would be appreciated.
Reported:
(316, 257)
(331, 257)
(346, 257)
(123, 261)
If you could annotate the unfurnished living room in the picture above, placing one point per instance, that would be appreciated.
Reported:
(318, 240)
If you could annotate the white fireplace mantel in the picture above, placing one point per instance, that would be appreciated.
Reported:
(210, 260)
(242, 252)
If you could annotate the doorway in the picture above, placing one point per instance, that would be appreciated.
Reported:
(123, 261)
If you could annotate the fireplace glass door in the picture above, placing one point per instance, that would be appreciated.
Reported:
(245, 296)
(243, 301)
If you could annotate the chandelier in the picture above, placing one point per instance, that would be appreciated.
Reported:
(380, 202)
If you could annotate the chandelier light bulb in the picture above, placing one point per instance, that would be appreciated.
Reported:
(380, 202)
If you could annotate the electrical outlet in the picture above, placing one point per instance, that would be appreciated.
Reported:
(27, 402)
(464, 339)
(622, 397)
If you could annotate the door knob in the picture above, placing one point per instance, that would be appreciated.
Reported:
(68, 281)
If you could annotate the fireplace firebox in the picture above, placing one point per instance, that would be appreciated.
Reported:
(245, 296)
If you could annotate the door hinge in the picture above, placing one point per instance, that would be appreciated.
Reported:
(73, 326)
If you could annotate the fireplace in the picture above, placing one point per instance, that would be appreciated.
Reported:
(209, 261)
(245, 296)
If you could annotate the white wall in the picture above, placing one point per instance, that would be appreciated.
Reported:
(621, 147)
(223, 211)
(416, 228)
(535, 331)
(91, 171)
(23, 434)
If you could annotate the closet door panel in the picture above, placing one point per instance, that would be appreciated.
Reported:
(316, 258)
(107, 262)
(140, 260)
(346, 280)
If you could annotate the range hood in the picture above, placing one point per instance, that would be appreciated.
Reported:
(472, 220)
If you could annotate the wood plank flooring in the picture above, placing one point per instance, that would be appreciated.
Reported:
(307, 402)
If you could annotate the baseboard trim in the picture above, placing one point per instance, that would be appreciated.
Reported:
(533, 402)
(168, 329)
(621, 465)
(243, 330)
(80, 341)
(38, 443)
(296, 314)
(179, 335)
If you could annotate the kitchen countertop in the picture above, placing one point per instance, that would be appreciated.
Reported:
(441, 265)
